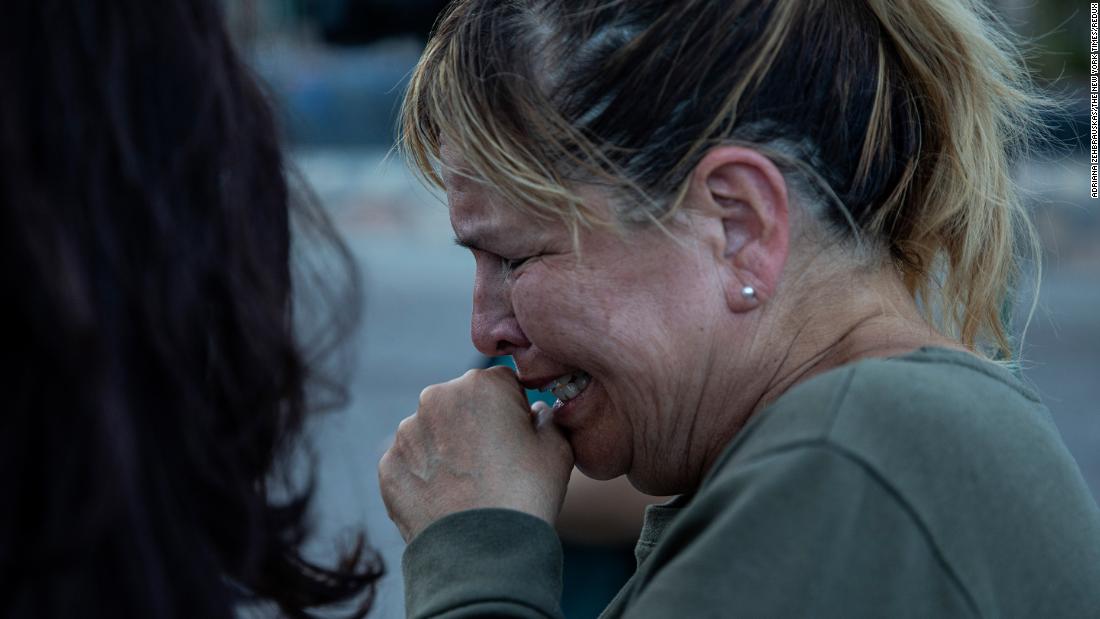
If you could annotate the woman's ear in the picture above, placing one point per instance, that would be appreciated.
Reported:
(748, 193)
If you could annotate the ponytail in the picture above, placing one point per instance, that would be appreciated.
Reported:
(956, 224)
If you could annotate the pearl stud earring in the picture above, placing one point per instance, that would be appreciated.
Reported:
(749, 293)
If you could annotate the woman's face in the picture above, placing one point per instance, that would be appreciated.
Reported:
(631, 320)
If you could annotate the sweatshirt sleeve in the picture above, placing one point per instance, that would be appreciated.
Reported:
(484, 563)
(807, 531)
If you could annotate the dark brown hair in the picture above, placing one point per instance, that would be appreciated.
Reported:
(155, 382)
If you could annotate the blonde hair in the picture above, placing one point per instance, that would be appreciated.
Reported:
(902, 116)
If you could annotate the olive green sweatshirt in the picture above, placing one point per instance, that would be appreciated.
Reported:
(928, 485)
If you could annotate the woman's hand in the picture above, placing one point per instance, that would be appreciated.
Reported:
(474, 442)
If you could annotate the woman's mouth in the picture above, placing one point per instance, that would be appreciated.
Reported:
(568, 386)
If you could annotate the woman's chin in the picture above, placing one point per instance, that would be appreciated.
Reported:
(598, 473)
(600, 447)
(598, 459)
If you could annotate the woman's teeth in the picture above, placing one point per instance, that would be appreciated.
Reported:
(569, 386)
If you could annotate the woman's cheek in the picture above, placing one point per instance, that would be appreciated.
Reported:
(543, 305)
(527, 294)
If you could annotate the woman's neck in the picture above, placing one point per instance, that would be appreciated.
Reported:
(877, 317)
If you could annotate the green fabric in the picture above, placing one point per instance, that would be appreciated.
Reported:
(929, 485)
(484, 562)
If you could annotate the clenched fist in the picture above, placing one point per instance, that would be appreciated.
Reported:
(472, 443)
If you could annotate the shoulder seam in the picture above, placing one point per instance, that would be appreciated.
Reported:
(891, 490)
(839, 396)
(729, 452)
(828, 443)
(1021, 389)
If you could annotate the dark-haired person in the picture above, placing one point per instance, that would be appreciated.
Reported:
(759, 250)
(154, 382)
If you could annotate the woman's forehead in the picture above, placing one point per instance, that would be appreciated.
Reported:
(455, 170)
(471, 199)
(481, 221)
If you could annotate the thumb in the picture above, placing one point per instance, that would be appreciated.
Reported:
(542, 417)
(537, 408)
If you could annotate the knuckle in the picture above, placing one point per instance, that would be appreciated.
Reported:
(386, 474)
(472, 378)
(406, 426)
(427, 394)
(500, 375)
(499, 371)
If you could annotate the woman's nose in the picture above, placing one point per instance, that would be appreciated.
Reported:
(496, 336)
(493, 325)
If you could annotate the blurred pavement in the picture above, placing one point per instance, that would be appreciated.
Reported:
(415, 333)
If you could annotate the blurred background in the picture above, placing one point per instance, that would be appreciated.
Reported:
(337, 69)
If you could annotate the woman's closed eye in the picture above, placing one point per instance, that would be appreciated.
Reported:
(511, 264)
